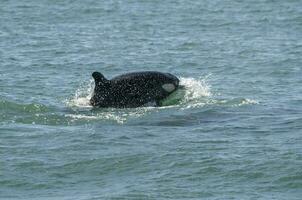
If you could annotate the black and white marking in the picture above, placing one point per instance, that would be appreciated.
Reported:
(133, 89)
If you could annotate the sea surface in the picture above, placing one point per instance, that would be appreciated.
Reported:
(235, 132)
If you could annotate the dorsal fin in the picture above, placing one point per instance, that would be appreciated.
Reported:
(99, 78)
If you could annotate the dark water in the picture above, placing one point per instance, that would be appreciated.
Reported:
(235, 133)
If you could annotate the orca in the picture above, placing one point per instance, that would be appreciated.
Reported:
(132, 90)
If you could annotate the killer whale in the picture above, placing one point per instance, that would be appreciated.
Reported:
(134, 89)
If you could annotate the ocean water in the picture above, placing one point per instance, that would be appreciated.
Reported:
(235, 132)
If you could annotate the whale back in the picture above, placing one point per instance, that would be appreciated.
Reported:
(132, 89)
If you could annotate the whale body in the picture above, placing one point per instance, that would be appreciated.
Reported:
(132, 89)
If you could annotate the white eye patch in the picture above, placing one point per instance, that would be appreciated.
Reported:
(169, 87)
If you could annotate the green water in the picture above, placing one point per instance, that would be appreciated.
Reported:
(235, 132)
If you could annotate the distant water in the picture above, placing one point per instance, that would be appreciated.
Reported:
(234, 133)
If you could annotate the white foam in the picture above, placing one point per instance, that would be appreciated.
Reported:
(82, 96)
(197, 92)
(247, 102)
(105, 115)
(195, 88)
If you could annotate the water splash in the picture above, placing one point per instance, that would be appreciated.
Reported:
(196, 88)
(82, 96)
(194, 93)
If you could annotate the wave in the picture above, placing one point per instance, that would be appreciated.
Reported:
(23, 108)
(194, 93)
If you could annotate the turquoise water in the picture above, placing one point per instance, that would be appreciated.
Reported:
(234, 133)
